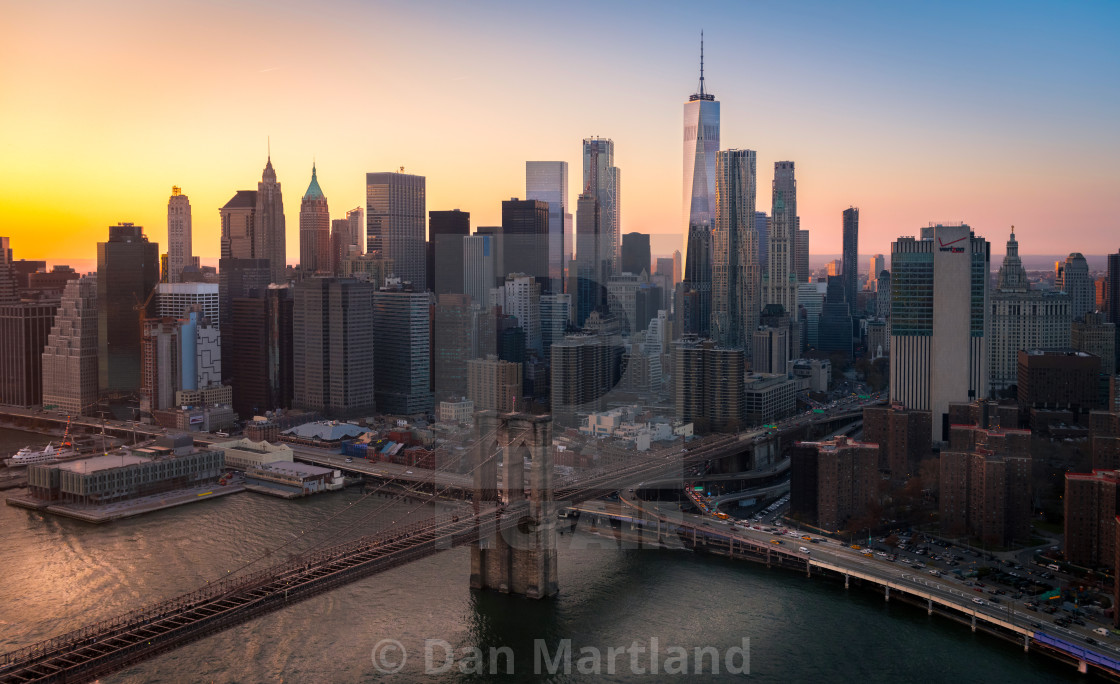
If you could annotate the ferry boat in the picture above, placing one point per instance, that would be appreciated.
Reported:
(29, 456)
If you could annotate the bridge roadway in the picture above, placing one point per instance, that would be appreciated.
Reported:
(829, 555)
(110, 645)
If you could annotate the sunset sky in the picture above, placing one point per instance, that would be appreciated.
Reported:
(997, 114)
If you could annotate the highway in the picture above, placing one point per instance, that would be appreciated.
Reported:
(839, 557)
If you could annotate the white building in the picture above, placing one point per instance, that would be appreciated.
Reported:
(461, 411)
(175, 300)
(478, 267)
(1022, 318)
(522, 298)
(243, 454)
(939, 321)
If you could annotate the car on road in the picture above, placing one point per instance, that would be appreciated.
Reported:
(978, 601)
(349, 460)
(1091, 641)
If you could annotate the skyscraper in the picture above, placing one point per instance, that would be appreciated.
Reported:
(850, 267)
(347, 236)
(1073, 279)
(395, 213)
(24, 330)
(781, 278)
(451, 346)
(127, 273)
(834, 331)
(525, 227)
(269, 230)
(939, 326)
(257, 341)
(178, 235)
(239, 227)
(478, 267)
(1022, 318)
(315, 230)
(547, 181)
(238, 277)
(70, 355)
(333, 330)
(591, 265)
(446, 230)
(635, 253)
(801, 255)
(402, 349)
(701, 142)
(735, 276)
(602, 179)
(1112, 298)
(762, 225)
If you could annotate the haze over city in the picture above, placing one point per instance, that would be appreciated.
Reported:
(993, 114)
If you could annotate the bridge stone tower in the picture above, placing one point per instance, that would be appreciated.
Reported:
(516, 554)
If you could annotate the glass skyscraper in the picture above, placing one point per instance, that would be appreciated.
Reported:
(735, 276)
(547, 181)
(602, 179)
(396, 212)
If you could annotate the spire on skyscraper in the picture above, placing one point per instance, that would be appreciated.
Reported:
(701, 94)
(313, 190)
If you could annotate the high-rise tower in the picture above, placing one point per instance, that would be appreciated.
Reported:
(269, 232)
(701, 143)
(735, 273)
(396, 211)
(602, 179)
(178, 235)
(314, 229)
(851, 255)
(781, 283)
(548, 181)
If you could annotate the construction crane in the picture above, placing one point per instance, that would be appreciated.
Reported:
(142, 308)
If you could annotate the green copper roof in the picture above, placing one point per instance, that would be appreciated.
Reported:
(313, 190)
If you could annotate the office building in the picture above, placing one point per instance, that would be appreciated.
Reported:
(478, 267)
(701, 143)
(768, 398)
(269, 232)
(315, 253)
(770, 350)
(525, 227)
(372, 267)
(622, 293)
(446, 230)
(801, 255)
(736, 279)
(556, 313)
(547, 181)
(348, 237)
(175, 300)
(878, 264)
(238, 277)
(1112, 297)
(780, 286)
(708, 386)
(592, 266)
(1022, 318)
(903, 436)
(1072, 277)
(179, 254)
(833, 483)
(1058, 379)
(810, 298)
(451, 345)
(850, 267)
(883, 295)
(762, 227)
(24, 332)
(636, 256)
(333, 330)
(239, 239)
(259, 347)
(648, 300)
(603, 180)
(494, 384)
(127, 275)
(939, 298)
(986, 485)
(395, 213)
(69, 359)
(1092, 333)
(834, 330)
(584, 369)
(834, 267)
(1092, 502)
(521, 298)
(402, 320)
(178, 355)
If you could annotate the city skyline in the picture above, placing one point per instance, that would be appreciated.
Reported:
(909, 136)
